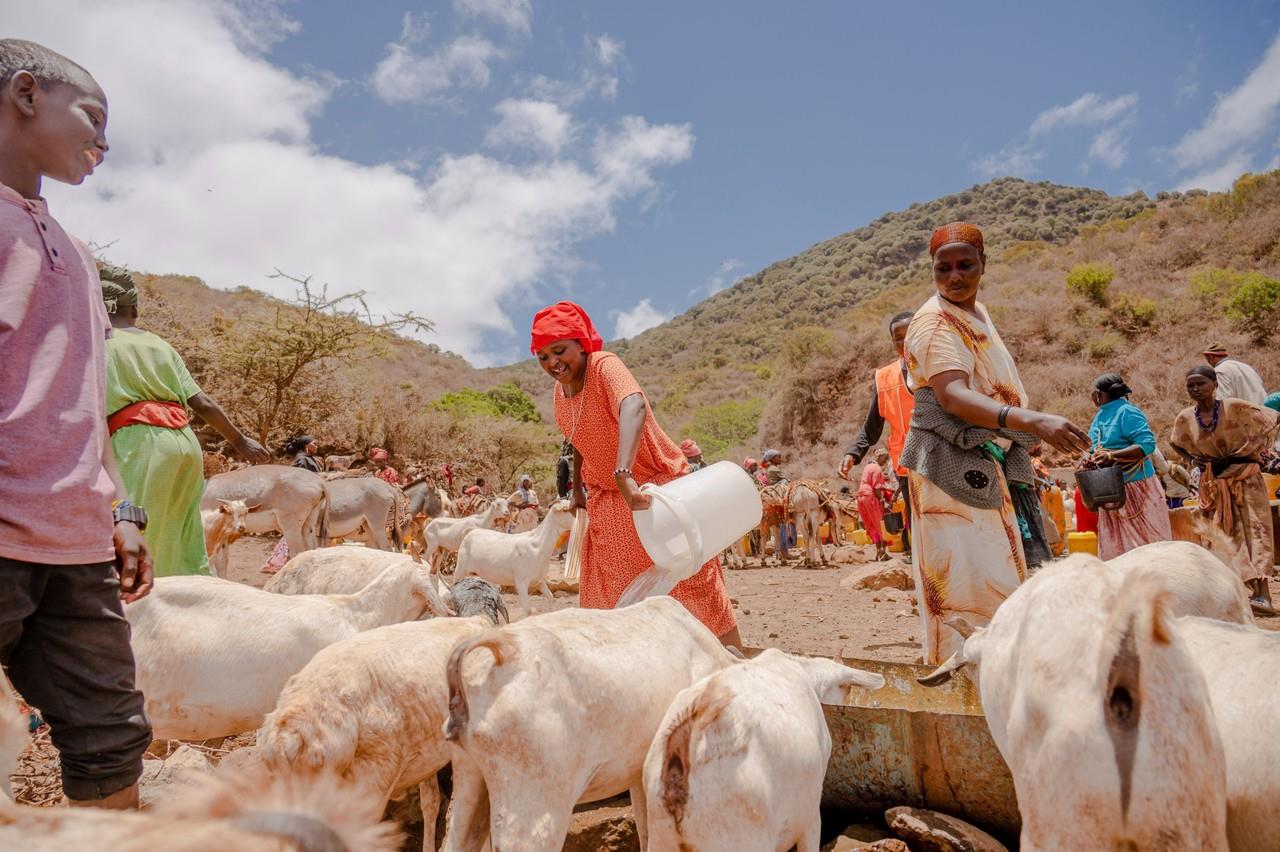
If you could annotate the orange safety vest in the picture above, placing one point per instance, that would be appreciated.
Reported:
(895, 403)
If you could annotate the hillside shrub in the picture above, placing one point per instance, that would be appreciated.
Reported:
(1091, 280)
(1102, 348)
(504, 402)
(1131, 315)
(806, 343)
(726, 425)
(1255, 304)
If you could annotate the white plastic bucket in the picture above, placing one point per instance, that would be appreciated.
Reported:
(692, 520)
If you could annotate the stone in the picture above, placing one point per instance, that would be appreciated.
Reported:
(848, 554)
(930, 831)
(608, 827)
(163, 781)
(865, 835)
(889, 577)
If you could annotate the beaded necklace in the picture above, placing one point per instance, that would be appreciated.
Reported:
(1213, 424)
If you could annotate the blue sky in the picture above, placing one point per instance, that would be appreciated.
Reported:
(474, 159)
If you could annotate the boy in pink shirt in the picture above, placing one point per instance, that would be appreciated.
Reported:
(68, 554)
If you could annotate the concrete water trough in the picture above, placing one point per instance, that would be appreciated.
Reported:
(908, 744)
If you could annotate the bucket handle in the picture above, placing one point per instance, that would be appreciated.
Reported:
(692, 533)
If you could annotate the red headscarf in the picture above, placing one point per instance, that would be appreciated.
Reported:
(690, 448)
(564, 321)
(956, 232)
(377, 454)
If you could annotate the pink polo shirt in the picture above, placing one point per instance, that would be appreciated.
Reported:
(55, 495)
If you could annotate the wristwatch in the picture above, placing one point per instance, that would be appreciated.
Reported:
(123, 510)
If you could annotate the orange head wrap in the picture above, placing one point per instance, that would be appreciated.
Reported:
(956, 232)
(690, 448)
(377, 454)
(564, 321)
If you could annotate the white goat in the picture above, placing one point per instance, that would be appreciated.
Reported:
(213, 655)
(1101, 713)
(222, 526)
(1239, 663)
(1198, 582)
(516, 559)
(342, 570)
(371, 709)
(448, 534)
(740, 757)
(246, 813)
(562, 711)
(13, 735)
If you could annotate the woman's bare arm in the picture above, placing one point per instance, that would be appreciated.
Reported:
(958, 399)
(631, 416)
(208, 410)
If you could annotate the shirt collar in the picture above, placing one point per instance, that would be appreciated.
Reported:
(11, 195)
(1113, 405)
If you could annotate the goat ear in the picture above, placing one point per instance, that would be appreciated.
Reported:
(224, 507)
(961, 625)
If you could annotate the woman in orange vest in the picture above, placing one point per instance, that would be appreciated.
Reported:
(891, 403)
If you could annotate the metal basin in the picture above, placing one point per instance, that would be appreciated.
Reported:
(907, 744)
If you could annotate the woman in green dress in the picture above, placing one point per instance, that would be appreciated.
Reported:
(149, 393)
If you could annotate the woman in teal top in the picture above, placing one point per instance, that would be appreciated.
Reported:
(1121, 434)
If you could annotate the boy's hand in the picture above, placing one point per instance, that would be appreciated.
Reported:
(133, 562)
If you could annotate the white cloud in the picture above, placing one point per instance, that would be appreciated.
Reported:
(1088, 109)
(642, 317)
(1109, 146)
(1018, 160)
(536, 124)
(236, 187)
(404, 75)
(513, 14)
(1239, 118)
(1188, 82)
(721, 278)
(598, 76)
(1222, 176)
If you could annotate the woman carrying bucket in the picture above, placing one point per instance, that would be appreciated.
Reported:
(618, 446)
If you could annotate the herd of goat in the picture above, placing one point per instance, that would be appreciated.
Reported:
(1134, 701)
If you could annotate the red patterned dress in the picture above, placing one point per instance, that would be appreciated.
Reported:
(612, 555)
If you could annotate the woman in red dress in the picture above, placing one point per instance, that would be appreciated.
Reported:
(618, 446)
(873, 493)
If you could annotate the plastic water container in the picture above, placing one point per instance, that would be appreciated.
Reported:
(1082, 542)
(691, 520)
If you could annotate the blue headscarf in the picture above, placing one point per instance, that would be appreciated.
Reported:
(1273, 401)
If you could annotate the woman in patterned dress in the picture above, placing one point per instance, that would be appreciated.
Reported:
(968, 559)
(1226, 437)
(618, 446)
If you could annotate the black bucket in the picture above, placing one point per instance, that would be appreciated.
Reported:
(1102, 486)
(893, 522)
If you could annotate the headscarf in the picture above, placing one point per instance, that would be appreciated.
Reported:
(564, 321)
(1113, 385)
(1215, 349)
(770, 455)
(118, 287)
(1272, 401)
(690, 448)
(749, 463)
(378, 454)
(956, 232)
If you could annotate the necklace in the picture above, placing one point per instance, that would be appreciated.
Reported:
(1212, 424)
(575, 407)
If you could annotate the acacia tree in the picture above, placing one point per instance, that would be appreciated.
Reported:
(275, 366)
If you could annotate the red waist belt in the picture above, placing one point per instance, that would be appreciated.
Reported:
(167, 415)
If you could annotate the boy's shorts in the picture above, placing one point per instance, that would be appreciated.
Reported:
(65, 644)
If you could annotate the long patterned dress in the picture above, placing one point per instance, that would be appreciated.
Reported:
(1236, 498)
(612, 555)
(967, 560)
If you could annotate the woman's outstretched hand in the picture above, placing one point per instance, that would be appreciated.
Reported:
(1060, 433)
(636, 499)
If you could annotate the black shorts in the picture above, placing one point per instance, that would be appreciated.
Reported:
(65, 644)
